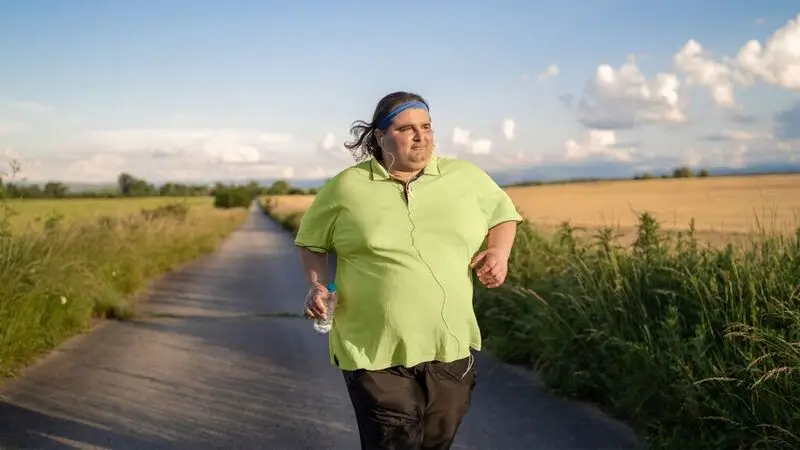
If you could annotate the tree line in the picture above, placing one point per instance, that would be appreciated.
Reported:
(129, 185)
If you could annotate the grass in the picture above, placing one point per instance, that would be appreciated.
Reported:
(35, 212)
(696, 342)
(60, 274)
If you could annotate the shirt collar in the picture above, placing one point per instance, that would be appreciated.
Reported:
(378, 172)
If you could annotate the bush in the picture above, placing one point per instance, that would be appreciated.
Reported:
(234, 197)
(698, 346)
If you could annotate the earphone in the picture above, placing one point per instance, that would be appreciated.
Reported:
(408, 187)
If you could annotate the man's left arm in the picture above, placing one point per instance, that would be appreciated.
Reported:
(501, 237)
(502, 218)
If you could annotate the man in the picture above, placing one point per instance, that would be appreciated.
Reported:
(406, 227)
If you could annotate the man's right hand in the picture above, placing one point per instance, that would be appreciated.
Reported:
(316, 305)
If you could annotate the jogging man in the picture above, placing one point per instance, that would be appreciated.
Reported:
(407, 228)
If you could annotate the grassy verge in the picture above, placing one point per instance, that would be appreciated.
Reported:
(59, 277)
(699, 347)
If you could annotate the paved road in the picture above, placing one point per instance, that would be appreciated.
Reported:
(216, 362)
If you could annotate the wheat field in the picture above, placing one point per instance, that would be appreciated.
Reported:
(724, 209)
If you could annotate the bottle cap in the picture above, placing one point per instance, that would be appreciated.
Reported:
(331, 287)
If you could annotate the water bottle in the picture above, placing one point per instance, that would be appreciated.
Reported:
(323, 326)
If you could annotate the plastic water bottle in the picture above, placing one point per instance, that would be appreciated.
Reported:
(323, 326)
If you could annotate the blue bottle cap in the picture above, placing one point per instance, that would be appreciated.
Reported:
(331, 287)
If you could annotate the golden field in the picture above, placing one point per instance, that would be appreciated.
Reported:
(724, 208)
(25, 212)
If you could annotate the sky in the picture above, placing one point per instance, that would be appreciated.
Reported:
(206, 90)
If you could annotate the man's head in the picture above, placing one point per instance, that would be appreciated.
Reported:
(400, 134)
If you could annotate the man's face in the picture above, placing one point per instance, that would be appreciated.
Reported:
(409, 139)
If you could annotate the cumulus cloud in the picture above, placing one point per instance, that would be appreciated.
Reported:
(508, 128)
(701, 69)
(212, 146)
(462, 139)
(625, 98)
(776, 62)
(598, 143)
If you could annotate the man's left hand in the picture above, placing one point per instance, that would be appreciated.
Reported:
(492, 273)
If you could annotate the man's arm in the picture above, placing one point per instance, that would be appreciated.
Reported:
(315, 266)
(501, 238)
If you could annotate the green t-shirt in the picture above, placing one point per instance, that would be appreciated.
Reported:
(403, 274)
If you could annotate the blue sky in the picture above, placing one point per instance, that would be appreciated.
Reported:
(208, 90)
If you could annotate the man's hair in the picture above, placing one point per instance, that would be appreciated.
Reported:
(365, 144)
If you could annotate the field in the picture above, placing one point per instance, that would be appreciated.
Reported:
(696, 345)
(65, 263)
(724, 208)
(35, 212)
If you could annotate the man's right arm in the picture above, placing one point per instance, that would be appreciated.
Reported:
(315, 266)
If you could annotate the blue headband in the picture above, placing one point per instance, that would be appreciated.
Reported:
(387, 120)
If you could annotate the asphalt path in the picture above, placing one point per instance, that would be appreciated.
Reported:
(221, 358)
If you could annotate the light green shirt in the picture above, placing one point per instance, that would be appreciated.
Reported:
(403, 274)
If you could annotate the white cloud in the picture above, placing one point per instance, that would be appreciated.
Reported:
(192, 140)
(550, 72)
(776, 62)
(702, 70)
(624, 98)
(462, 138)
(597, 143)
(508, 128)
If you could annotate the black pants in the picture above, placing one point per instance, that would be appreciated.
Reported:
(414, 408)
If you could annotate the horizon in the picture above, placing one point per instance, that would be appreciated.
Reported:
(255, 91)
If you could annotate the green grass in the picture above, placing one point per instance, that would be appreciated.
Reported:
(698, 347)
(58, 277)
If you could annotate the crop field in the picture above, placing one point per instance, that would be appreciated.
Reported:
(66, 262)
(723, 208)
(33, 212)
(695, 345)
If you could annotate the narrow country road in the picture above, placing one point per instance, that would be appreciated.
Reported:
(220, 358)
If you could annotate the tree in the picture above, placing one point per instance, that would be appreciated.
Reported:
(682, 172)
(280, 187)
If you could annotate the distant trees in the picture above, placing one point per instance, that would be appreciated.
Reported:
(678, 172)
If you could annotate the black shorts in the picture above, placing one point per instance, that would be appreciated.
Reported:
(414, 408)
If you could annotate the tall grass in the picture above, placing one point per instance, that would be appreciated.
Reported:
(698, 346)
(56, 279)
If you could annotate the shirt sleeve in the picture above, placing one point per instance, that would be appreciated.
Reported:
(316, 227)
(495, 203)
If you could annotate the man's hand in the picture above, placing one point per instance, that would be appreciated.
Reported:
(316, 302)
(494, 268)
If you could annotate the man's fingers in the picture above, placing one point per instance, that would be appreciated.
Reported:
(487, 266)
(478, 258)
